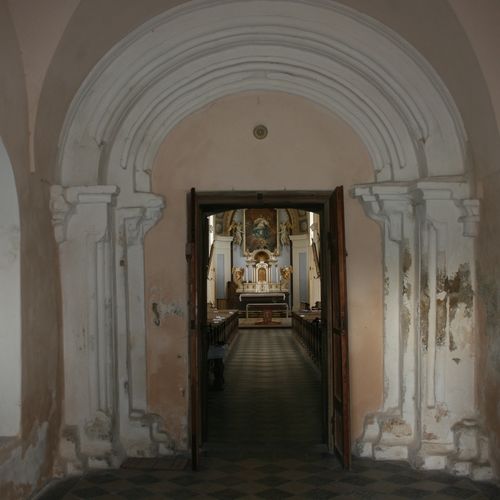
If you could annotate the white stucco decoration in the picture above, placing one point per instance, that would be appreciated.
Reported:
(184, 59)
(344, 61)
(10, 301)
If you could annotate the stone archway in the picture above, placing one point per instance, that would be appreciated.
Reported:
(344, 61)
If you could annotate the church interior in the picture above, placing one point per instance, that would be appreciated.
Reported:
(249, 227)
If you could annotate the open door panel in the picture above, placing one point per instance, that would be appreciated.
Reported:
(340, 424)
(193, 257)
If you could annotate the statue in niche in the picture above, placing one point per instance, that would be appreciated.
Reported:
(315, 230)
(236, 229)
(284, 233)
(238, 273)
(286, 274)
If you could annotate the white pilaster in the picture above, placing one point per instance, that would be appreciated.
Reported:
(222, 246)
(391, 205)
(134, 216)
(429, 361)
(81, 217)
(448, 224)
(300, 244)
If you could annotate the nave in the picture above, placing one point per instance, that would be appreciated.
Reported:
(272, 395)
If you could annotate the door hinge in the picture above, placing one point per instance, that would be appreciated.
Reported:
(189, 250)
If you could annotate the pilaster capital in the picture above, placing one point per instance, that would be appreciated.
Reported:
(64, 202)
(387, 203)
(455, 192)
(139, 214)
(471, 216)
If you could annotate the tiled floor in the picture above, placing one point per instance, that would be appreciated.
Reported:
(272, 395)
(268, 448)
(273, 477)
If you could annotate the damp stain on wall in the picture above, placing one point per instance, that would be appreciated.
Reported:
(397, 426)
(405, 310)
(441, 309)
(425, 302)
(460, 293)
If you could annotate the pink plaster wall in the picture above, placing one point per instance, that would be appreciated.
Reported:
(214, 149)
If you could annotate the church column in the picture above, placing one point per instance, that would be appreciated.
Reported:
(222, 262)
(390, 433)
(300, 276)
(82, 225)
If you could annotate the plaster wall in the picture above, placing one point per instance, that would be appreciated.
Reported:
(480, 21)
(214, 149)
(26, 461)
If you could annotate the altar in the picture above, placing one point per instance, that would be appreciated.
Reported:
(261, 281)
(263, 302)
(262, 287)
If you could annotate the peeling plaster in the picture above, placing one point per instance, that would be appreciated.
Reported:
(441, 412)
(406, 258)
(441, 309)
(405, 323)
(170, 309)
(386, 281)
(397, 427)
(425, 302)
(99, 428)
(20, 472)
(428, 436)
(459, 293)
(405, 311)
(161, 308)
(459, 290)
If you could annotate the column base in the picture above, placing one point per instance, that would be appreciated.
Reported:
(387, 437)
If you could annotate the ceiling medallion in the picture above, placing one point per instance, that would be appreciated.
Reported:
(260, 132)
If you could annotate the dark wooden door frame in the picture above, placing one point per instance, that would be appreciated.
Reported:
(203, 204)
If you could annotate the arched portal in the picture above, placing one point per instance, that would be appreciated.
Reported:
(10, 301)
(343, 61)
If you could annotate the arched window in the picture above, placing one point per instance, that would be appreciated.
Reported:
(10, 301)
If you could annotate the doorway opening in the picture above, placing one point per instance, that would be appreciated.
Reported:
(259, 226)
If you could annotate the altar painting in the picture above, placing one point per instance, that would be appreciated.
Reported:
(261, 229)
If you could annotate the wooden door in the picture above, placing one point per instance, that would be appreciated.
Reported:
(340, 424)
(194, 265)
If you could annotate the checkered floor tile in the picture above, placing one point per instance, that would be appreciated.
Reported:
(313, 475)
(263, 444)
